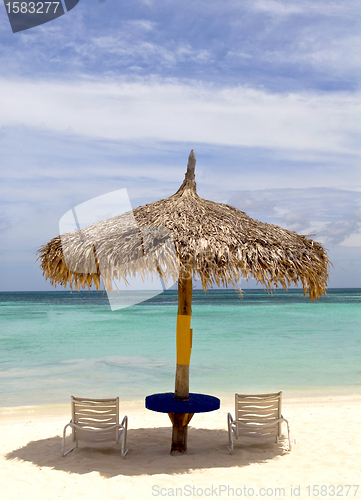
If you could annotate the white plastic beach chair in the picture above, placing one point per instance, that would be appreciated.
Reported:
(96, 421)
(257, 417)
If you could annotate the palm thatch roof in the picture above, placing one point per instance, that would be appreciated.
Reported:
(215, 242)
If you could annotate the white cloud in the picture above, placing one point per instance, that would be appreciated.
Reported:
(296, 221)
(277, 8)
(334, 215)
(142, 24)
(346, 231)
(337, 232)
(353, 241)
(286, 8)
(139, 51)
(247, 202)
(319, 37)
(171, 110)
(320, 51)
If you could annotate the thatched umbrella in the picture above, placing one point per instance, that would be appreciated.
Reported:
(213, 241)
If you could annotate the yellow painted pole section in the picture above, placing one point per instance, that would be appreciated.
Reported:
(184, 339)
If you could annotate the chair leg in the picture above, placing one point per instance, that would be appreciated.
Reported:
(289, 437)
(63, 443)
(64, 454)
(123, 431)
(288, 434)
(230, 433)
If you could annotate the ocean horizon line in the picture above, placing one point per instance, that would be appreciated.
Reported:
(267, 291)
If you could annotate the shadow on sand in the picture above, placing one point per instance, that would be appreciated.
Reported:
(148, 454)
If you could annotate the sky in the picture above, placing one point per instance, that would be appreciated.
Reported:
(114, 95)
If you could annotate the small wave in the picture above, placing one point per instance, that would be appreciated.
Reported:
(13, 373)
(117, 361)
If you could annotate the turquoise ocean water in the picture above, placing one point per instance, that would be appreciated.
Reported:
(55, 344)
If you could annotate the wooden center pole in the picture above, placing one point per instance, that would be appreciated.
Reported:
(180, 420)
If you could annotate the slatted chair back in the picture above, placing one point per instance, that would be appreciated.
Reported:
(253, 412)
(96, 421)
(98, 415)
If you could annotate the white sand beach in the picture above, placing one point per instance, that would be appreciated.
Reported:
(326, 459)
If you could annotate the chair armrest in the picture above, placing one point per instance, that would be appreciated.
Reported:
(259, 424)
(232, 427)
(110, 428)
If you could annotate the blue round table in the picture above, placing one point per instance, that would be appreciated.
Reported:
(167, 403)
(183, 408)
